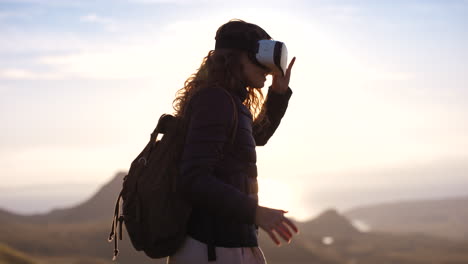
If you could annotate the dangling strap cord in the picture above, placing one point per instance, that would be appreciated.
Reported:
(117, 220)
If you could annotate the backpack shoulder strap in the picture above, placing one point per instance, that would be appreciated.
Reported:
(232, 136)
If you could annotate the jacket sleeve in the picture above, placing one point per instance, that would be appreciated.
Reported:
(211, 121)
(276, 105)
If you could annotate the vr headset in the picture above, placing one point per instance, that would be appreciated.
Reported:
(269, 54)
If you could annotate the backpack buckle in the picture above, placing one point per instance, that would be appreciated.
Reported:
(142, 159)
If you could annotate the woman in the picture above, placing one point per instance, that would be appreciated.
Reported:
(227, 117)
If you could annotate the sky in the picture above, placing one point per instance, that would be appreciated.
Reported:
(380, 89)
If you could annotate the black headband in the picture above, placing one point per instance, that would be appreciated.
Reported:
(235, 43)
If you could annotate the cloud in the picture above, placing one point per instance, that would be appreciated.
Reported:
(108, 24)
(25, 15)
(21, 74)
(120, 63)
(141, 55)
(33, 42)
(92, 18)
(145, 54)
(47, 2)
(11, 14)
(144, 57)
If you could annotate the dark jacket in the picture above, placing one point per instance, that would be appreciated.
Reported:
(217, 175)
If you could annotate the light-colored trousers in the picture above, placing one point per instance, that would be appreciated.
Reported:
(194, 251)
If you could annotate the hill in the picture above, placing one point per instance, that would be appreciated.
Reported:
(9, 217)
(98, 207)
(447, 218)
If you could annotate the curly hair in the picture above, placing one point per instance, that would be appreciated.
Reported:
(222, 68)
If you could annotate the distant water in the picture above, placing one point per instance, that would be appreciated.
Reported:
(343, 200)
(361, 226)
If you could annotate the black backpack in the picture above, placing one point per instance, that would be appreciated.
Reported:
(153, 210)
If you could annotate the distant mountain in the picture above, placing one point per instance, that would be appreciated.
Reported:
(446, 218)
(9, 217)
(40, 198)
(329, 223)
(99, 207)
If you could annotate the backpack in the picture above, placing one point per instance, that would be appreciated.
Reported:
(153, 210)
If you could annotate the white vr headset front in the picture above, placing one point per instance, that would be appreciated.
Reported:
(270, 54)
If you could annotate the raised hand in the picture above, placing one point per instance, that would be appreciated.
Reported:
(280, 83)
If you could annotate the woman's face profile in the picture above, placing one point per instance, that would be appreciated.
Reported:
(254, 75)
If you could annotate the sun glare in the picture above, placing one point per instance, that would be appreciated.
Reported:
(279, 194)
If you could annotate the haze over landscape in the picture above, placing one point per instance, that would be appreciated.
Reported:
(433, 231)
